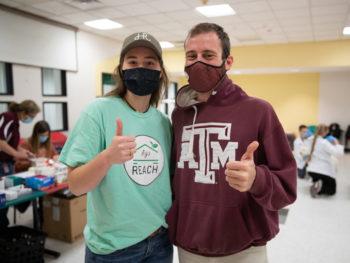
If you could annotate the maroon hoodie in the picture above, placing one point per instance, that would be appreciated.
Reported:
(209, 217)
(9, 132)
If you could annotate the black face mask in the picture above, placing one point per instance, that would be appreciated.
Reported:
(141, 81)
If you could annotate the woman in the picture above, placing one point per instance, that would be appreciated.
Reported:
(9, 140)
(118, 153)
(39, 144)
(320, 166)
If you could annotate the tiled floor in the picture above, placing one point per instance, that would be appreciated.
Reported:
(314, 231)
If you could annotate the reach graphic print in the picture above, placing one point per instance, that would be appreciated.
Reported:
(148, 161)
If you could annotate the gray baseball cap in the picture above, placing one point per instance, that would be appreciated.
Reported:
(141, 39)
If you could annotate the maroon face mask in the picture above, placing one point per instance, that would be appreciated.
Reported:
(203, 77)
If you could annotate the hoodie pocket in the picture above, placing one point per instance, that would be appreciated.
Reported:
(210, 229)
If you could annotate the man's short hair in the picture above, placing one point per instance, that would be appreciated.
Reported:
(211, 27)
(302, 127)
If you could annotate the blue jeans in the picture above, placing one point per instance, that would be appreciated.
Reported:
(155, 249)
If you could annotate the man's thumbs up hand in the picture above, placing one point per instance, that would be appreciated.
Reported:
(122, 148)
(249, 154)
(240, 175)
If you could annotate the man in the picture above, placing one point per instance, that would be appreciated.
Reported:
(301, 150)
(234, 167)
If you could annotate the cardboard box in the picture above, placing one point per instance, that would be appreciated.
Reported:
(64, 218)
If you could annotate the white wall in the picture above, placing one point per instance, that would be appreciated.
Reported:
(81, 88)
(33, 42)
(334, 103)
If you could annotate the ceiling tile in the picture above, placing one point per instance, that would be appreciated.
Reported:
(294, 22)
(328, 2)
(155, 18)
(184, 15)
(179, 34)
(298, 28)
(177, 38)
(144, 28)
(328, 27)
(329, 10)
(56, 8)
(251, 7)
(193, 21)
(196, 3)
(137, 9)
(244, 29)
(265, 20)
(327, 19)
(108, 12)
(258, 17)
(305, 34)
(289, 4)
(83, 5)
(292, 13)
(79, 17)
(170, 26)
(168, 5)
(120, 32)
(268, 29)
(232, 21)
(161, 35)
(129, 21)
(242, 37)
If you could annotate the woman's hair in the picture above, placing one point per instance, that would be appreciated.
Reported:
(39, 128)
(320, 130)
(27, 106)
(120, 89)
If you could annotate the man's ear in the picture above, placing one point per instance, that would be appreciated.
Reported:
(228, 63)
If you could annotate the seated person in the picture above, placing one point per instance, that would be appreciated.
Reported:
(320, 164)
(41, 146)
(39, 143)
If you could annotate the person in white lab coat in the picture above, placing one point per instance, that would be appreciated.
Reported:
(320, 164)
(301, 150)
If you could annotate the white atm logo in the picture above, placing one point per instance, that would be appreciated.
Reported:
(211, 155)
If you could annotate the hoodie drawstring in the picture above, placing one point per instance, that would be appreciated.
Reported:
(190, 147)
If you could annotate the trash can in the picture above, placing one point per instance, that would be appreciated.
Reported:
(22, 244)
